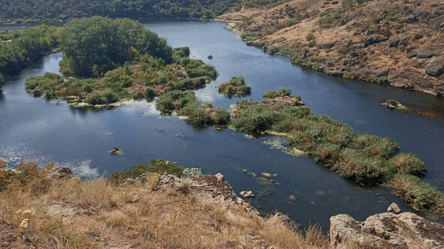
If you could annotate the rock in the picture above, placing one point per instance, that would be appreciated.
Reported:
(220, 177)
(1, 91)
(292, 198)
(282, 219)
(247, 194)
(335, 73)
(128, 181)
(210, 57)
(418, 37)
(411, 19)
(394, 44)
(435, 67)
(394, 208)
(437, 23)
(373, 40)
(115, 151)
(179, 134)
(328, 45)
(425, 54)
(60, 173)
(369, 32)
(386, 230)
(411, 55)
(266, 174)
(169, 182)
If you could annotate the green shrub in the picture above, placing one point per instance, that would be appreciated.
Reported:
(383, 81)
(149, 92)
(343, 50)
(311, 43)
(94, 99)
(406, 163)
(417, 194)
(310, 37)
(156, 166)
(220, 116)
(251, 36)
(235, 87)
(355, 165)
(374, 146)
(279, 93)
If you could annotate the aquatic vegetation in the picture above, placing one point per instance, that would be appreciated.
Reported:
(235, 87)
(365, 159)
(155, 166)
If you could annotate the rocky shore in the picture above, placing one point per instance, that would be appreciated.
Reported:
(110, 216)
(390, 43)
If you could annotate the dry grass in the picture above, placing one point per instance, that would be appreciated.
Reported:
(100, 213)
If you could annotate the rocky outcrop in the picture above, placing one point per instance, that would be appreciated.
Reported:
(435, 67)
(60, 173)
(437, 23)
(386, 230)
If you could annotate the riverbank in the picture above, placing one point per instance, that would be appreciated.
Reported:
(385, 43)
(53, 207)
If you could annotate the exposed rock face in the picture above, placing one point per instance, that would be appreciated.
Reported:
(437, 23)
(60, 173)
(386, 230)
(283, 219)
(435, 67)
(247, 194)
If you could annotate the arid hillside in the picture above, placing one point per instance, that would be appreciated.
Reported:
(400, 43)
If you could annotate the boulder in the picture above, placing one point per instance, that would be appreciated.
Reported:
(373, 40)
(60, 173)
(247, 194)
(435, 67)
(220, 177)
(425, 54)
(282, 219)
(328, 45)
(437, 23)
(169, 182)
(394, 208)
(386, 230)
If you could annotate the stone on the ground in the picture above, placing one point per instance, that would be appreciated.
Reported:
(247, 194)
(60, 173)
(394, 208)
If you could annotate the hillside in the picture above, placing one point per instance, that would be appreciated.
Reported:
(400, 43)
(37, 10)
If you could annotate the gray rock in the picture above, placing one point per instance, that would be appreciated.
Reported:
(328, 45)
(128, 181)
(369, 32)
(418, 37)
(425, 54)
(283, 219)
(394, 208)
(373, 40)
(394, 44)
(386, 230)
(437, 23)
(411, 19)
(220, 177)
(435, 67)
(60, 173)
(247, 194)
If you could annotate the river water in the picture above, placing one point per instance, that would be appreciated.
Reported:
(43, 131)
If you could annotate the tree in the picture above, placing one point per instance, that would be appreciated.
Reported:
(93, 46)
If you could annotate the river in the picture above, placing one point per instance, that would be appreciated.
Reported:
(43, 131)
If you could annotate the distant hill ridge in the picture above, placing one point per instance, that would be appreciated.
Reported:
(32, 10)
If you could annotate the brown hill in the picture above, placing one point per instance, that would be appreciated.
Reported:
(400, 43)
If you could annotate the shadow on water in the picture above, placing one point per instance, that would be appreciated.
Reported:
(310, 193)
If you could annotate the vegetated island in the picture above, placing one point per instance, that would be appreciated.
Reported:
(106, 62)
(235, 87)
(162, 205)
(365, 159)
(390, 43)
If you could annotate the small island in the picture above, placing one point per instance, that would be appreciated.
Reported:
(235, 87)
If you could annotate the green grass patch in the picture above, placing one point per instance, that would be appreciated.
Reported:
(155, 166)
(235, 87)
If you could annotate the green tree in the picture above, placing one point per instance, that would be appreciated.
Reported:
(93, 46)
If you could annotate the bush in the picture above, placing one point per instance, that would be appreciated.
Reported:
(279, 93)
(374, 146)
(235, 87)
(406, 163)
(156, 166)
(149, 92)
(311, 43)
(94, 99)
(220, 116)
(419, 195)
(355, 165)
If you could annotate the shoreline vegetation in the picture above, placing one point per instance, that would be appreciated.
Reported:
(364, 159)
(20, 48)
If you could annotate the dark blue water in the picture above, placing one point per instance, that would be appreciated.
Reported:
(82, 138)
